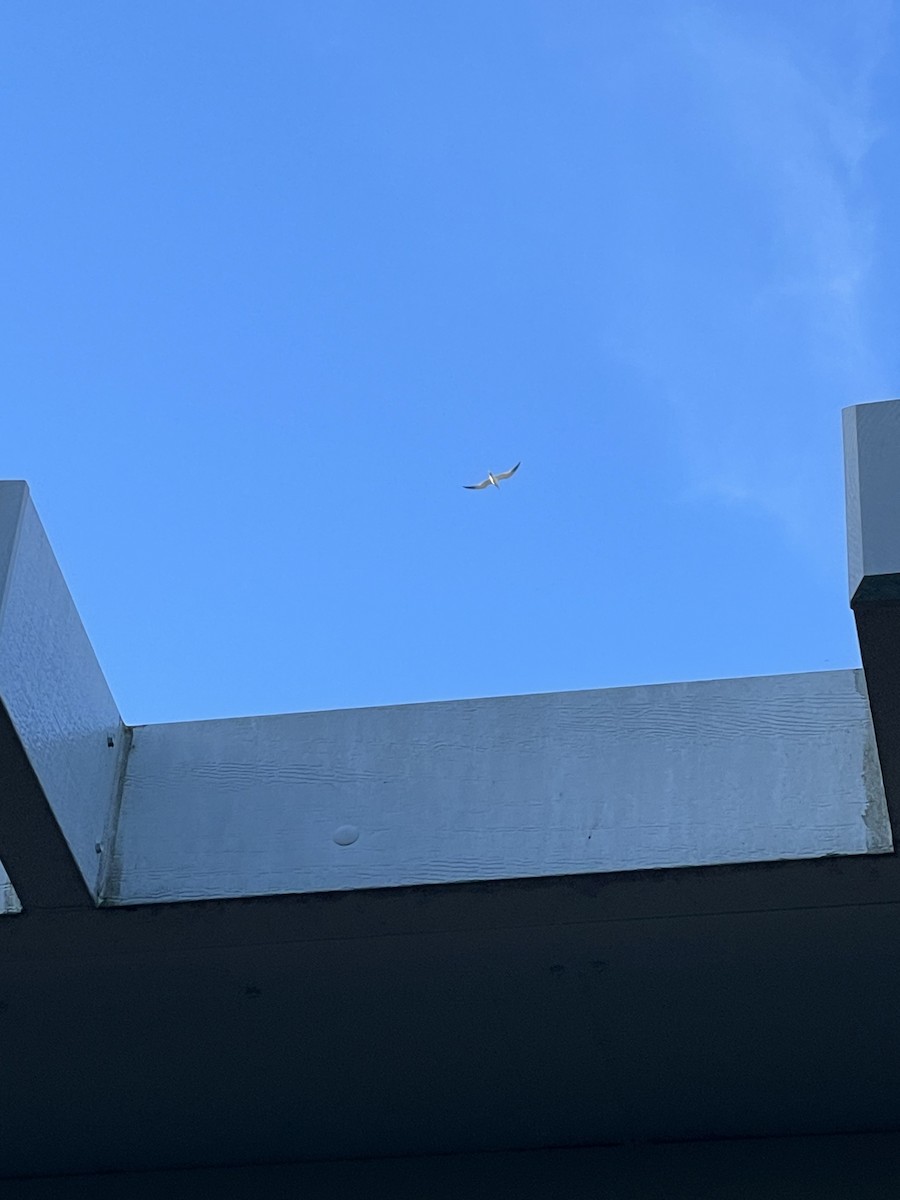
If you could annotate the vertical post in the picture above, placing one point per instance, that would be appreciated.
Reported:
(872, 474)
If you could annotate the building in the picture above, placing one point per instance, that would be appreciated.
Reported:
(628, 943)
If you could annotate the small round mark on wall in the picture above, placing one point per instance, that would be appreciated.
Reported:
(345, 835)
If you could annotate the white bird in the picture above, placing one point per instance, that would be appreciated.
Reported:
(492, 479)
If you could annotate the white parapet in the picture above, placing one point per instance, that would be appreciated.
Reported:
(59, 706)
(872, 480)
(626, 779)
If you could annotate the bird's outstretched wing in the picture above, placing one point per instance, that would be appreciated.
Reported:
(473, 487)
(506, 474)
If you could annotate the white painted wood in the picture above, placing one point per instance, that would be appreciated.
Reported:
(626, 779)
(872, 478)
(53, 689)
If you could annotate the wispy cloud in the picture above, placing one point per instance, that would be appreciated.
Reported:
(794, 107)
(802, 127)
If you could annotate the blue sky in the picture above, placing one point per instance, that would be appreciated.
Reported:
(281, 277)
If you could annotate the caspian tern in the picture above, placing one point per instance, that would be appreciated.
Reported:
(492, 479)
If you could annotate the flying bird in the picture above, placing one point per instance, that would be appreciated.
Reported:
(492, 479)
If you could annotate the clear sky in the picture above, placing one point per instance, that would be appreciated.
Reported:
(280, 277)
